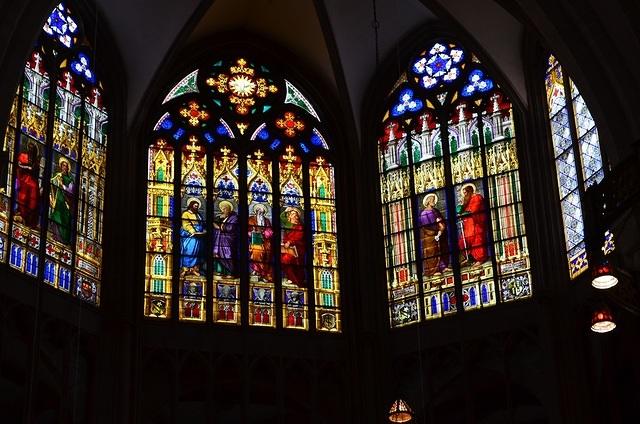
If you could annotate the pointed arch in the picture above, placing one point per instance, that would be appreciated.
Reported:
(253, 210)
(577, 154)
(53, 163)
(450, 189)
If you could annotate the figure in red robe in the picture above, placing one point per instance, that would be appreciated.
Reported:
(27, 187)
(292, 253)
(472, 240)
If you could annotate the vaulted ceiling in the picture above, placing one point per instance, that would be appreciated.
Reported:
(333, 38)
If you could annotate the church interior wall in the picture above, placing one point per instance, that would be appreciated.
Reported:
(531, 362)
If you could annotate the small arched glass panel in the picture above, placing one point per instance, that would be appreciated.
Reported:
(53, 161)
(453, 218)
(241, 213)
(578, 158)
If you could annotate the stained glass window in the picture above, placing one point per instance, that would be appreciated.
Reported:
(241, 205)
(454, 231)
(578, 158)
(52, 164)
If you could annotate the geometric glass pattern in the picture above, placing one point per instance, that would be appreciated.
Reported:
(578, 157)
(453, 220)
(241, 214)
(53, 162)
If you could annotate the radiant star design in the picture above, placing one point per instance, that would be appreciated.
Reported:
(242, 86)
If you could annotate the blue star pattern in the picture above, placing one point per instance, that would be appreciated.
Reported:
(61, 26)
(440, 65)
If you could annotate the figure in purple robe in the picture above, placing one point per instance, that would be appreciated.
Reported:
(433, 238)
(225, 241)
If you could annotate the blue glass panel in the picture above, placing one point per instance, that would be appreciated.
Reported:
(81, 67)
(572, 217)
(406, 103)
(567, 173)
(484, 294)
(591, 156)
(560, 132)
(478, 83)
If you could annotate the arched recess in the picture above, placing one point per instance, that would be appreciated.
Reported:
(453, 221)
(236, 151)
(53, 161)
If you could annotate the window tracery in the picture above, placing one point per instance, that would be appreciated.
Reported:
(578, 157)
(252, 208)
(450, 190)
(52, 168)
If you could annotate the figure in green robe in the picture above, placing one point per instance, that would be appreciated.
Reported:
(61, 198)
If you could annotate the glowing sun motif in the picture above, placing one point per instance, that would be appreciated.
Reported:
(242, 85)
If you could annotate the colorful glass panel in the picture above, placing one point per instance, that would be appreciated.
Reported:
(578, 158)
(160, 219)
(261, 240)
(450, 190)
(256, 242)
(184, 86)
(193, 214)
(293, 249)
(53, 165)
(226, 237)
(325, 245)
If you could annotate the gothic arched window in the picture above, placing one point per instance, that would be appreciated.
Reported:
(52, 168)
(578, 158)
(241, 203)
(454, 228)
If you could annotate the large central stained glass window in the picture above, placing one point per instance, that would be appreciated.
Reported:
(454, 230)
(241, 214)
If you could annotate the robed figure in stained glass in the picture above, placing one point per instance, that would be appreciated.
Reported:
(260, 234)
(433, 237)
(225, 240)
(27, 187)
(191, 232)
(293, 249)
(60, 199)
(473, 235)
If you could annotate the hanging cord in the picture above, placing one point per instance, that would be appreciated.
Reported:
(376, 25)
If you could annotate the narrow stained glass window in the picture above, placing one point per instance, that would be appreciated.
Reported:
(578, 158)
(255, 208)
(454, 230)
(53, 162)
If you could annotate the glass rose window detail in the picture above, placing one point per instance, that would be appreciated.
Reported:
(454, 230)
(578, 158)
(241, 205)
(53, 161)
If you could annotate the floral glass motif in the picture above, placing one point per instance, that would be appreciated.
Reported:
(193, 114)
(578, 158)
(52, 189)
(82, 68)
(453, 221)
(61, 26)
(241, 199)
(477, 82)
(441, 64)
(290, 124)
(242, 86)
(406, 103)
